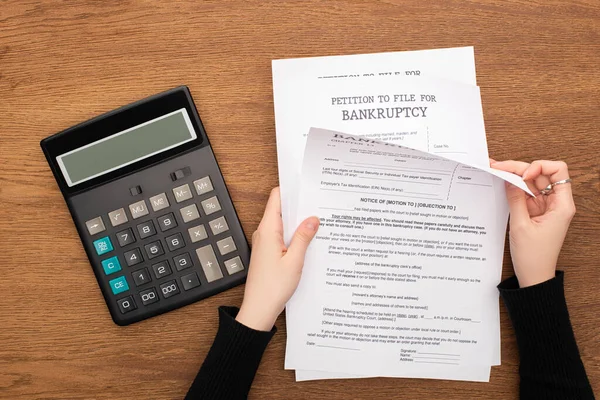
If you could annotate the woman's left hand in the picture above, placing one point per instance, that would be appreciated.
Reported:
(275, 270)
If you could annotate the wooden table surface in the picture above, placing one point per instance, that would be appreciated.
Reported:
(538, 64)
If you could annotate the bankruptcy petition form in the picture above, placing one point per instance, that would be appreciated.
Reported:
(425, 100)
(402, 273)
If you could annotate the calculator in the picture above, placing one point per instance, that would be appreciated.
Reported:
(150, 206)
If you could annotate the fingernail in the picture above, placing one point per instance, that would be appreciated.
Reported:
(310, 224)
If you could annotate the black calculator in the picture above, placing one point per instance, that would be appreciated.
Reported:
(150, 206)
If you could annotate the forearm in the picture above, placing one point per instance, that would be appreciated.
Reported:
(550, 364)
(231, 363)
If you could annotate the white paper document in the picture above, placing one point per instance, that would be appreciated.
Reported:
(426, 100)
(399, 277)
(298, 83)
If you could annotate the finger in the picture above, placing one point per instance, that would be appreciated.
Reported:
(517, 203)
(561, 196)
(515, 167)
(301, 239)
(271, 220)
(555, 171)
(492, 161)
(541, 182)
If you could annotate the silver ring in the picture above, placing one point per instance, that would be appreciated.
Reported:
(549, 188)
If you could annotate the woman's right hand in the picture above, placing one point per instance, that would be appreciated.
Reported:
(538, 225)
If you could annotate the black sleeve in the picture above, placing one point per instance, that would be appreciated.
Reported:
(232, 361)
(550, 365)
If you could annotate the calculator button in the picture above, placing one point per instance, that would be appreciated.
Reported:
(133, 257)
(218, 225)
(119, 285)
(181, 173)
(111, 265)
(169, 289)
(138, 209)
(190, 281)
(167, 222)
(146, 229)
(159, 202)
(103, 245)
(182, 262)
(125, 237)
(141, 277)
(211, 205)
(95, 225)
(134, 191)
(189, 213)
(209, 263)
(126, 304)
(117, 217)
(226, 246)
(161, 269)
(197, 233)
(148, 296)
(154, 249)
(234, 265)
(175, 242)
(203, 185)
(182, 193)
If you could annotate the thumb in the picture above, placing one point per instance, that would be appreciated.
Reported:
(517, 202)
(301, 239)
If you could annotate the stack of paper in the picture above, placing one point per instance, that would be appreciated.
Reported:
(389, 150)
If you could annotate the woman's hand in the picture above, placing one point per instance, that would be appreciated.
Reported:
(274, 270)
(538, 225)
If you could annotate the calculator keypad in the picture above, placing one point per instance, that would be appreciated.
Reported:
(218, 225)
(117, 217)
(138, 209)
(111, 265)
(169, 289)
(126, 304)
(125, 237)
(197, 233)
(148, 296)
(146, 229)
(175, 242)
(234, 265)
(203, 185)
(211, 205)
(226, 245)
(189, 213)
(119, 285)
(180, 246)
(209, 263)
(167, 222)
(133, 257)
(141, 277)
(190, 281)
(161, 269)
(154, 249)
(95, 225)
(159, 202)
(103, 245)
(182, 261)
(182, 193)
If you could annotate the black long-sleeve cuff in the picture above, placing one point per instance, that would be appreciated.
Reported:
(550, 365)
(231, 363)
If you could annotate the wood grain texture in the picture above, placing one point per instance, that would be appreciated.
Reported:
(64, 62)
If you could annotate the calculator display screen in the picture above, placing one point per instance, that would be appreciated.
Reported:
(126, 147)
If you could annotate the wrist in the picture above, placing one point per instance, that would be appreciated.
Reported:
(528, 280)
(255, 319)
